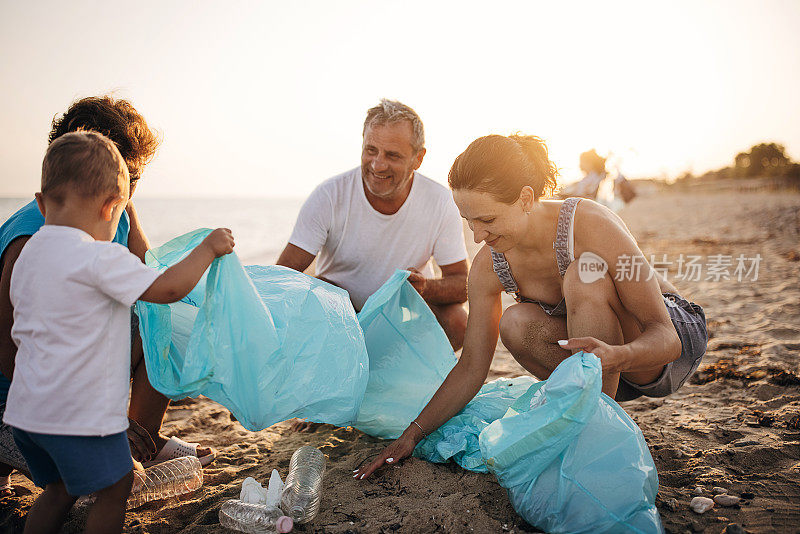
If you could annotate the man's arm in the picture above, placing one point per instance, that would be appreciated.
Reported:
(451, 288)
(8, 350)
(295, 258)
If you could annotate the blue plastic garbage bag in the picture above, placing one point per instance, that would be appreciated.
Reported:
(571, 459)
(268, 343)
(457, 439)
(409, 357)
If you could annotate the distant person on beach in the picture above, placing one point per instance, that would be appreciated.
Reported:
(382, 216)
(72, 290)
(593, 166)
(137, 143)
(609, 302)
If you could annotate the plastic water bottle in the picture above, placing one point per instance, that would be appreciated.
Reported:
(303, 491)
(167, 479)
(253, 518)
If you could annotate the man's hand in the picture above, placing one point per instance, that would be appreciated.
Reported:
(611, 356)
(220, 241)
(417, 280)
(143, 448)
(451, 288)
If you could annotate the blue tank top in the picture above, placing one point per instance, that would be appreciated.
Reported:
(26, 222)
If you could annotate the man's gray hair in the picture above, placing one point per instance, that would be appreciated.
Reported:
(391, 111)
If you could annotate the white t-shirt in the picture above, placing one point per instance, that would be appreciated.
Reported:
(72, 297)
(359, 248)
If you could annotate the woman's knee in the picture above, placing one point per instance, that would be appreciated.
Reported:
(579, 290)
(512, 324)
(524, 325)
(599, 296)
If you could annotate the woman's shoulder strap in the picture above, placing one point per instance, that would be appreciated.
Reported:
(566, 216)
(503, 270)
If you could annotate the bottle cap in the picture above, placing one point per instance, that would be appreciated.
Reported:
(284, 524)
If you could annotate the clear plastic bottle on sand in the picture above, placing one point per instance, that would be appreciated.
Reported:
(253, 518)
(167, 479)
(303, 491)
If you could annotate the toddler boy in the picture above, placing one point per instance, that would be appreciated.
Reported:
(71, 290)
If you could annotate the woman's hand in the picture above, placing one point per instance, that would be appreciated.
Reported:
(466, 378)
(611, 356)
(400, 448)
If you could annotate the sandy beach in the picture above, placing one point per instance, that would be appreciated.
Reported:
(735, 425)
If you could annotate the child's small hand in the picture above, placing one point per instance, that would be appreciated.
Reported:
(220, 241)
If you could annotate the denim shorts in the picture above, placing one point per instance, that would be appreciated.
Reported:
(689, 320)
(84, 463)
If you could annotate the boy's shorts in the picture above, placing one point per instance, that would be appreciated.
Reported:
(84, 463)
(689, 320)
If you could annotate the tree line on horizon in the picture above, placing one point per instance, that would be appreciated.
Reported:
(764, 160)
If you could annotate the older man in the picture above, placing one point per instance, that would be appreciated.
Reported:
(384, 215)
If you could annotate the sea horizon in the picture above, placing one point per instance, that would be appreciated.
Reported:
(261, 226)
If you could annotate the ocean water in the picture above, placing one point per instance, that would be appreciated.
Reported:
(261, 226)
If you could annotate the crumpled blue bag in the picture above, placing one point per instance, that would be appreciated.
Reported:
(409, 357)
(268, 343)
(571, 459)
(457, 439)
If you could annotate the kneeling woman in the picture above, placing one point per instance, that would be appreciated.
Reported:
(609, 302)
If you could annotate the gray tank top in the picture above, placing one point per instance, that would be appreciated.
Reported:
(561, 246)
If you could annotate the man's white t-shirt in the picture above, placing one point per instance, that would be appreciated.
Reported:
(72, 297)
(359, 248)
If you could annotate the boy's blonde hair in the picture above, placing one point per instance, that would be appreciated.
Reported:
(84, 162)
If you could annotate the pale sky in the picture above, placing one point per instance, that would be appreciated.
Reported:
(267, 99)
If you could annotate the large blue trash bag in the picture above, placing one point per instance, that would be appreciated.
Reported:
(571, 459)
(409, 357)
(457, 439)
(268, 343)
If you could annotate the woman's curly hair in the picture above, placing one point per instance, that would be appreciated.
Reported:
(118, 120)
